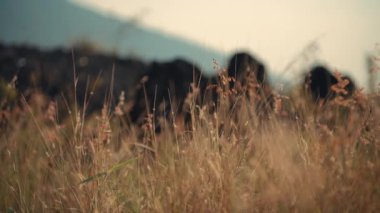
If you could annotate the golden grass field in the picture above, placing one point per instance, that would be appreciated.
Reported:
(301, 157)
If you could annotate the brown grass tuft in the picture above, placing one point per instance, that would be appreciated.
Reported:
(300, 157)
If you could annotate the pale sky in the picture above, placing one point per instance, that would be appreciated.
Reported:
(274, 30)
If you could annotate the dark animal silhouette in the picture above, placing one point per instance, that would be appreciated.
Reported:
(164, 88)
(319, 82)
(17, 66)
(351, 86)
(251, 80)
(242, 65)
(52, 73)
(105, 77)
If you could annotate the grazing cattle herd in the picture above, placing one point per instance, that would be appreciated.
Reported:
(160, 89)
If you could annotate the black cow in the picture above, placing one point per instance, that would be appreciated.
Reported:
(319, 82)
(18, 65)
(104, 78)
(52, 73)
(243, 65)
(350, 87)
(251, 80)
(164, 89)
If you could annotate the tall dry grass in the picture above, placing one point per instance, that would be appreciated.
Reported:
(300, 157)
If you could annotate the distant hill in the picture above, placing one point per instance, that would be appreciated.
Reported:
(59, 23)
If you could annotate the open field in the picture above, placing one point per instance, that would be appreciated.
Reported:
(300, 157)
(189, 106)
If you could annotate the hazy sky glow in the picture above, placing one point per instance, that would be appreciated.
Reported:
(275, 30)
